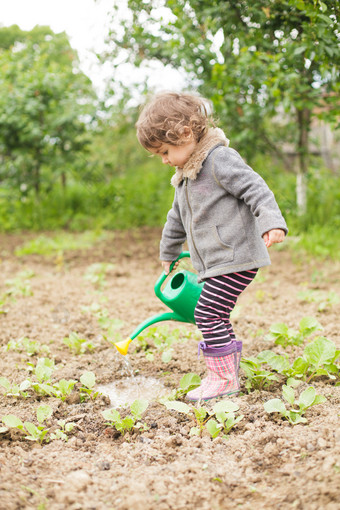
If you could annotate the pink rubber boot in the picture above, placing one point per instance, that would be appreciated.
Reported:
(222, 366)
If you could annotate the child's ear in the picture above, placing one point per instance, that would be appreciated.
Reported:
(187, 133)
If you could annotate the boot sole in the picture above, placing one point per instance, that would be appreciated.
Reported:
(236, 392)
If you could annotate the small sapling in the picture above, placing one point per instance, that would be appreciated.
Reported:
(285, 336)
(88, 381)
(78, 345)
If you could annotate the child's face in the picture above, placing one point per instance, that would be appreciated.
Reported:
(175, 155)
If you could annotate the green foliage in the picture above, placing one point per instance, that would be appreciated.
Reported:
(78, 345)
(42, 126)
(15, 390)
(223, 411)
(20, 285)
(30, 347)
(187, 383)
(96, 274)
(325, 300)
(257, 377)
(285, 336)
(34, 432)
(61, 433)
(163, 339)
(129, 422)
(307, 399)
(60, 242)
(63, 388)
(88, 381)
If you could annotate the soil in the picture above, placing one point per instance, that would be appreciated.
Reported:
(264, 462)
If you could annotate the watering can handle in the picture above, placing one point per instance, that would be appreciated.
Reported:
(163, 276)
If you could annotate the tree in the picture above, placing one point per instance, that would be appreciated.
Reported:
(45, 104)
(253, 58)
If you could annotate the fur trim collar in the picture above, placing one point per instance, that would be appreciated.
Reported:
(192, 167)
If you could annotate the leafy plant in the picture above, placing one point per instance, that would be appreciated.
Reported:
(129, 422)
(34, 432)
(42, 371)
(20, 285)
(325, 300)
(163, 339)
(283, 335)
(257, 377)
(77, 344)
(187, 383)
(225, 418)
(63, 430)
(23, 344)
(307, 399)
(15, 390)
(96, 274)
(223, 411)
(63, 388)
(88, 381)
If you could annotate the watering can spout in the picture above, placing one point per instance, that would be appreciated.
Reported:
(180, 294)
(123, 345)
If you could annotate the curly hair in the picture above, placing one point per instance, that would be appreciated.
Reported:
(167, 117)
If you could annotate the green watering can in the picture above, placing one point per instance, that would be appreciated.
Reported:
(180, 294)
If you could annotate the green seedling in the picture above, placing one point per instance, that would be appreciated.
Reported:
(63, 388)
(257, 377)
(200, 414)
(283, 335)
(320, 357)
(15, 390)
(96, 274)
(225, 418)
(42, 371)
(35, 433)
(307, 399)
(163, 339)
(325, 300)
(64, 241)
(104, 321)
(223, 411)
(63, 430)
(78, 345)
(20, 285)
(187, 383)
(88, 381)
(23, 344)
(131, 421)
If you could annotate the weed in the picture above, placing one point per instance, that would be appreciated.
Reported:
(78, 345)
(131, 421)
(283, 335)
(307, 399)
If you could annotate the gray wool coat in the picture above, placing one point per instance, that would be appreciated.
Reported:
(222, 208)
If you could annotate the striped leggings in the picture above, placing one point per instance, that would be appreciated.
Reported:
(217, 300)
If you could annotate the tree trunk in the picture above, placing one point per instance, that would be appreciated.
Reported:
(303, 118)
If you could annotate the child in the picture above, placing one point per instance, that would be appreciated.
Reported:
(226, 213)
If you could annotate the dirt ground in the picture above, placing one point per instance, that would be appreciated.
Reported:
(264, 462)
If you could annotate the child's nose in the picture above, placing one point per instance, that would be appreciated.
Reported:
(165, 159)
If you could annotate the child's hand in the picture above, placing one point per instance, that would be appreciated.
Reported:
(276, 235)
(166, 265)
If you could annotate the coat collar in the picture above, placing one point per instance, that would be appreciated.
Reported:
(193, 166)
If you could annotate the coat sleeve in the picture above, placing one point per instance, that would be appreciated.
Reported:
(173, 235)
(241, 181)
